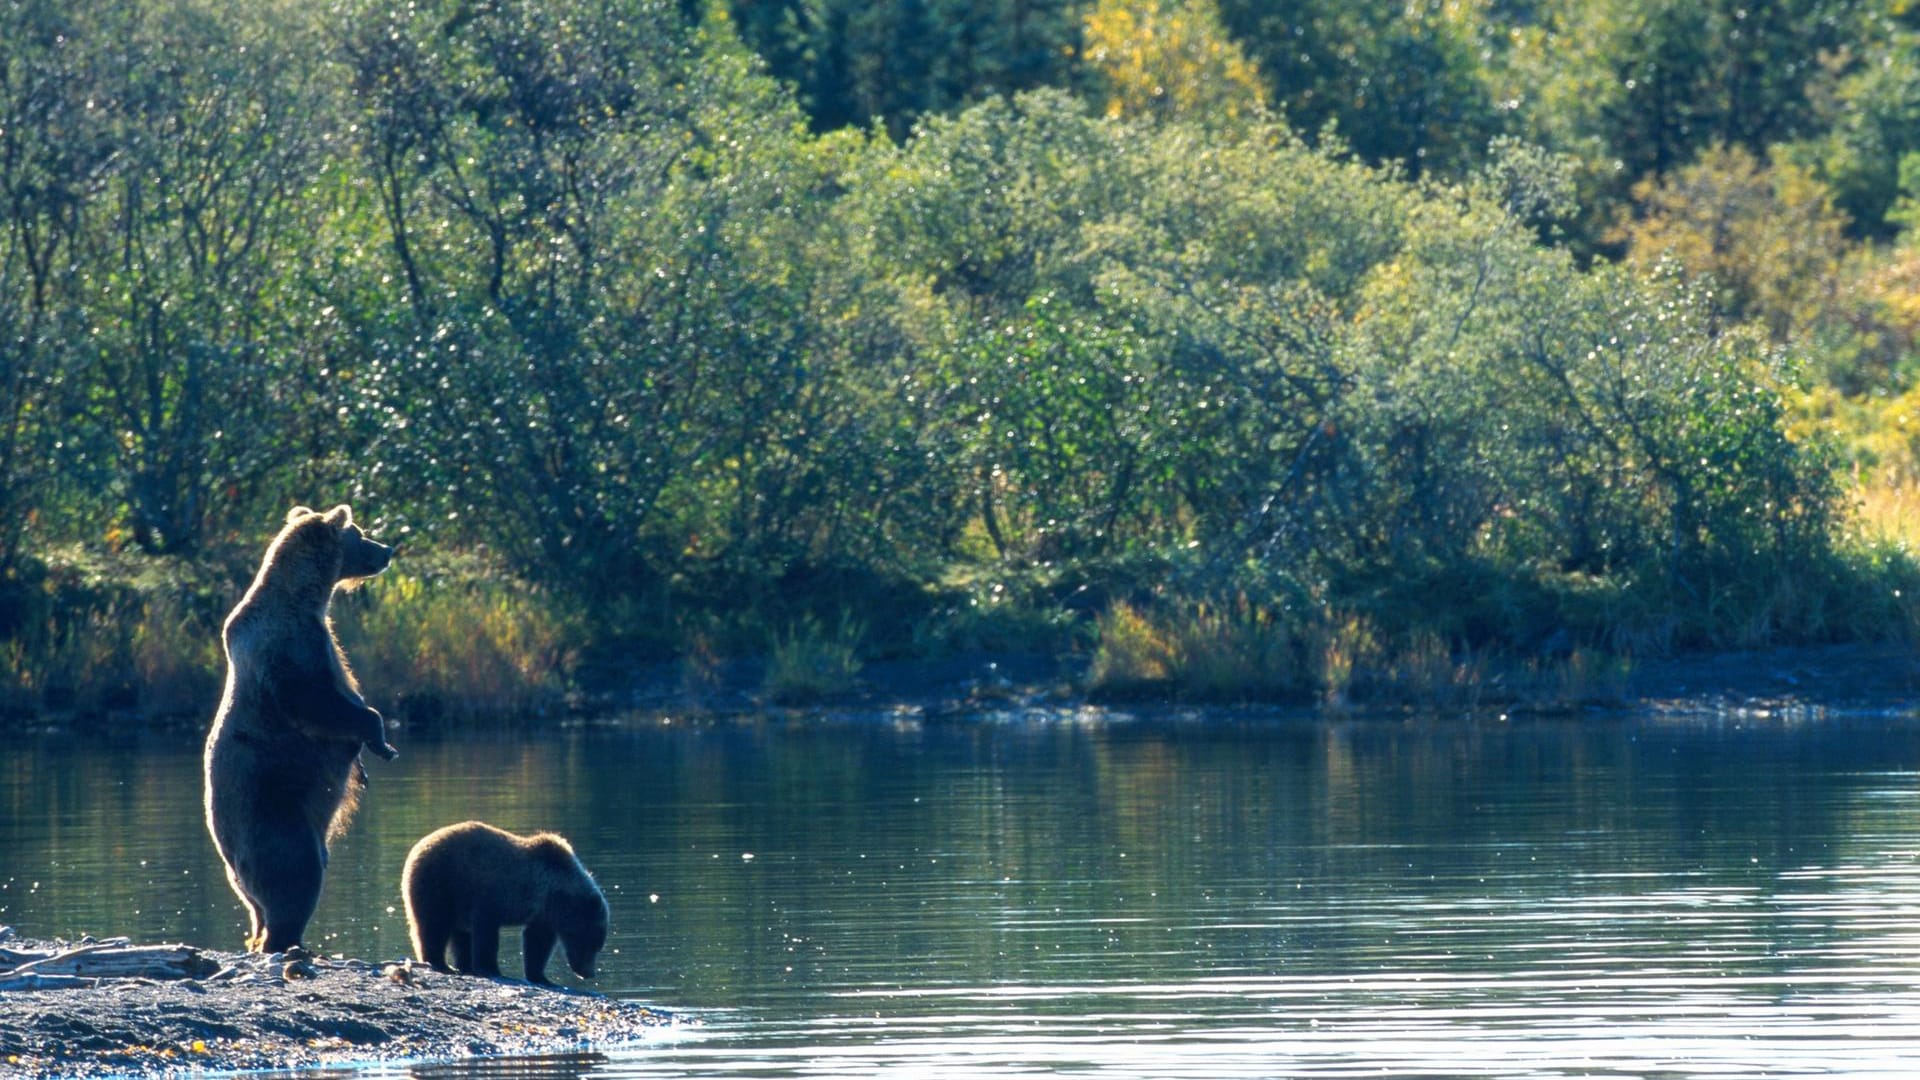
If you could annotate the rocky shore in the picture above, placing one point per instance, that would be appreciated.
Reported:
(100, 1008)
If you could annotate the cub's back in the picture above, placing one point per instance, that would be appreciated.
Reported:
(473, 865)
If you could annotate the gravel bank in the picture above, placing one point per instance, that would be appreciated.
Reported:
(257, 1012)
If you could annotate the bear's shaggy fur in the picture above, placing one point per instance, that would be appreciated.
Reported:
(283, 770)
(464, 882)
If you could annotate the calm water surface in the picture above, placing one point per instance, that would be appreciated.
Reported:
(1236, 896)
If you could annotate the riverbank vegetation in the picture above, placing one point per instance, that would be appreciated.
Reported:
(1315, 351)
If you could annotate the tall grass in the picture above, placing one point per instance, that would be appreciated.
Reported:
(1346, 649)
(811, 661)
(101, 635)
(1886, 513)
(1205, 651)
(1241, 651)
(156, 655)
(1136, 655)
(1879, 553)
(458, 649)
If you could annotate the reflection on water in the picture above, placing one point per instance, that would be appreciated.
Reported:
(1233, 897)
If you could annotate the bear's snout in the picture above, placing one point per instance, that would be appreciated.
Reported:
(365, 558)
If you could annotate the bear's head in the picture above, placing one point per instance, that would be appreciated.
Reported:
(327, 548)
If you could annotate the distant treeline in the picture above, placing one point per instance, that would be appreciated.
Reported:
(1485, 323)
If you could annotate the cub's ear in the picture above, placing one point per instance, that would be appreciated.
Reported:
(340, 516)
(297, 513)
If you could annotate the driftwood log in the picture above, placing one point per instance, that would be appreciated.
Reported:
(90, 962)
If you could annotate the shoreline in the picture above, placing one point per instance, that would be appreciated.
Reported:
(1847, 678)
(215, 1011)
(1859, 676)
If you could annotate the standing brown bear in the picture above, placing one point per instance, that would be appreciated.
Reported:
(283, 759)
(464, 882)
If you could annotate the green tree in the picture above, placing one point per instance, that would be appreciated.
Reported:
(1869, 120)
(595, 216)
(215, 130)
(1608, 430)
(1284, 373)
(1171, 61)
(1766, 235)
(1637, 88)
(899, 60)
(52, 151)
(1697, 74)
(1400, 82)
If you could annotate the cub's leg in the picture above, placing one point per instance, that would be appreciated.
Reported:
(486, 948)
(430, 942)
(537, 941)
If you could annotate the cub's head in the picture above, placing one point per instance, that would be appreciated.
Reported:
(581, 919)
(327, 548)
(575, 905)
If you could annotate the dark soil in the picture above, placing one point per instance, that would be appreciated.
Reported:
(259, 1012)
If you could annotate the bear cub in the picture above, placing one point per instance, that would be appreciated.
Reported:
(283, 769)
(464, 882)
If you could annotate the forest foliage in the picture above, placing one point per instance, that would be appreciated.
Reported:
(1408, 329)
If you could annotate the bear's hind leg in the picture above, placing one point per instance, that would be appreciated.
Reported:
(462, 952)
(256, 925)
(289, 867)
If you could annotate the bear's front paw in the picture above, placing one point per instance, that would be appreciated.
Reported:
(373, 733)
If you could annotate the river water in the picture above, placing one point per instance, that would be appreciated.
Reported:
(1112, 896)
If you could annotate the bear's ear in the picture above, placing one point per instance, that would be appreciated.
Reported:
(297, 513)
(340, 516)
